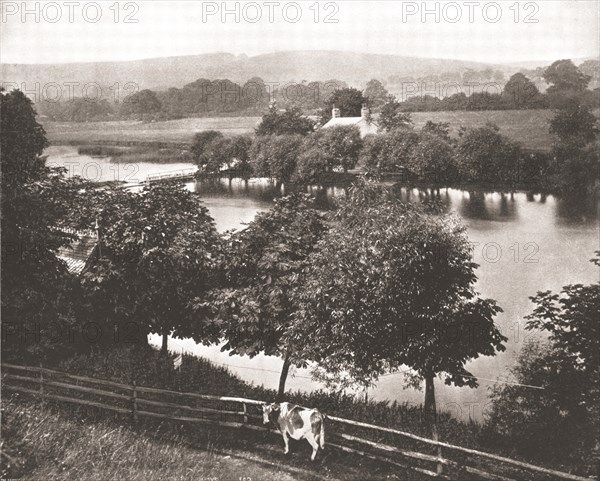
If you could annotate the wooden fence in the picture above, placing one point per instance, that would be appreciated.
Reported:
(430, 458)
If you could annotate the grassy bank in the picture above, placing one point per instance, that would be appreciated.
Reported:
(171, 438)
(43, 442)
(130, 155)
(528, 127)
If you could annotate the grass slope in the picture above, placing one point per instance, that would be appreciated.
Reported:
(528, 127)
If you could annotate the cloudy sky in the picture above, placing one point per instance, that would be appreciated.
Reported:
(502, 31)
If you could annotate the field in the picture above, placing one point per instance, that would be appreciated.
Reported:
(528, 127)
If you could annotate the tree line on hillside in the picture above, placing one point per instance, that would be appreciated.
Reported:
(356, 293)
(223, 97)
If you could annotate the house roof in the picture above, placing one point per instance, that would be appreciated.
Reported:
(77, 254)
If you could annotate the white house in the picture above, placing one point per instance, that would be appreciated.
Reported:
(365, 124)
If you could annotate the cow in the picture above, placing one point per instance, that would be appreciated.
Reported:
(297, 422)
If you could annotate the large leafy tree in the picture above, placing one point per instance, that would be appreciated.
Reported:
(485, 155)
(563, 75)
(392, 284)
(349, 100)
(390, 151)
(376, 93)
(275, 156)
(521, 93)
(264, 267)
(566, 368)
(140, 104)
(37, 203)
(432, 159)
(341, 146)
(159, 249)
(392, 116)
(288, 122)
(201, 142)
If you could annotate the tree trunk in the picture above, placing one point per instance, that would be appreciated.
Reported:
(429, 408)
(282, 378)
(431, 416)
(165, 340)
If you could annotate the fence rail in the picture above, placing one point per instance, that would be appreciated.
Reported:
(426, 456)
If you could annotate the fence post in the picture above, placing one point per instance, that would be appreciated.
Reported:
(440, 465)
(134, 407)
(245, 413)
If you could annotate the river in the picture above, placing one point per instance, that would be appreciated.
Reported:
(524, 243)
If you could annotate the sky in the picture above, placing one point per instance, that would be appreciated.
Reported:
(106, 30)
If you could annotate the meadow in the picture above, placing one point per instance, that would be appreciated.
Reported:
(528, 127)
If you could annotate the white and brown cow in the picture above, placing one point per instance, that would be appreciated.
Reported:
(297, 422)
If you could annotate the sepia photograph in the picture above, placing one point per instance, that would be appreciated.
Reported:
(349, 240)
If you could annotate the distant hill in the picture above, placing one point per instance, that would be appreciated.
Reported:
(161, 73)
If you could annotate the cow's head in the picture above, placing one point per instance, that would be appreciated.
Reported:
(268, 409)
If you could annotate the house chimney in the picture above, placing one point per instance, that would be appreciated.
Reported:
(365, 111)
(335, 113)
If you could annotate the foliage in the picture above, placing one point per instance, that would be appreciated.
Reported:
(38, 293)
(201, 142)
(521, 93)
(392, 284)
(564, 414)
(139, 104)
(349, 100)
(288, 122)
(263, 269)
(375, 93)
(389, 152)
(227, 153)
(159, 250)
(441, 129)
(392, 116)
(275, 156)
(484, 155)
(432, 159)
(574, 124)
(565, 76)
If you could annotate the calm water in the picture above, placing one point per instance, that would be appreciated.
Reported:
(523, 244)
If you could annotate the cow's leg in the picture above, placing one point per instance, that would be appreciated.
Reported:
(285, 441)
(313, 442)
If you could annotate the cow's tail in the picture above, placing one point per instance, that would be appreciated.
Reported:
(322, 433)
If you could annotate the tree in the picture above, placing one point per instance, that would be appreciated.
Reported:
(521, 93)
(484, 155)
(38, 294)
(275, 156)
(432, 159)
(227, 153)
(574, 124)
(349, 100)
(159, 250)
(389, 152)
(392, 117)
(140, 103)
(392, 284)
(565, 76)
(201, 142)
(564, 412)
(441, 129)
(288, 122)
(340, 146)
(312, 165)
(376, 94)
(264, 266)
